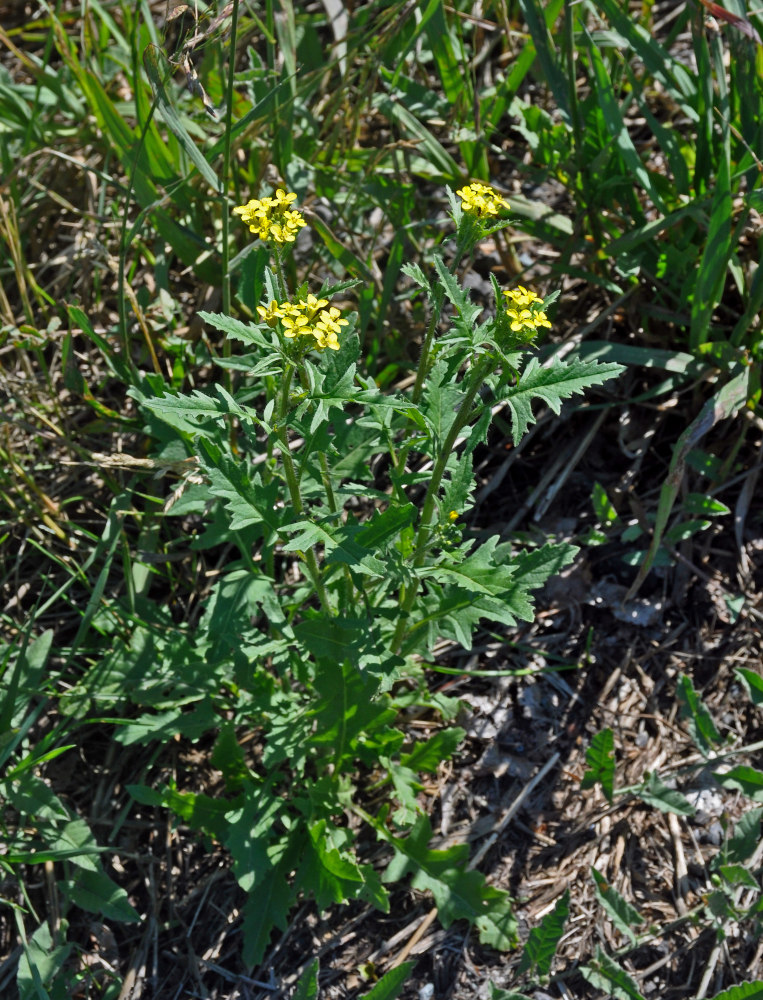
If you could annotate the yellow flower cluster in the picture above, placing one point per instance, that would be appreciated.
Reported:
(525, 309)
(309, 318)
(271, 218)
(481, 200)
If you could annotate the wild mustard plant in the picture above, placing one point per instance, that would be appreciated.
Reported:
(368, 493)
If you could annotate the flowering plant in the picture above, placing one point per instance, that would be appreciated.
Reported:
(348, 510)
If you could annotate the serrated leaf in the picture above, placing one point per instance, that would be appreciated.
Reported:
(600, 758)
(459, 894)
(543, 940)
(612, 979)
(656, 793)
(239, 331)
(467, 310)
(390, 984)
(457, 610)
(745, 779)
(328, 874)
(383, 526)
(753, 682)
(699, 720)
(266, 908)
(427, 755)
(552, 384)
(620, 912)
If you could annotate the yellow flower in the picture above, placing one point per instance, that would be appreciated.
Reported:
(271, 315)
(481, 200)
(307, 318)
(453, 516)
(271, 219)
(525, 310)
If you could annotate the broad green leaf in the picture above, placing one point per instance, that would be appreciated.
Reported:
(164, 726)
(95, 892)
(624, 916)
(600, 758)
(745, 779)
(656, 793)
(738, 875)
(543, 940)
(41, 962)
(746, 837)
(753, 682)
(606, 975)
(390, 984)
(699, 720)
(199, 811)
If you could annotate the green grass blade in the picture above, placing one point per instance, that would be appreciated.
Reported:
(615, 124)
(729, 399)
(549, 60)
(165, 108)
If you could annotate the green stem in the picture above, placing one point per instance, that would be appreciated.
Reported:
(224, 177)
(423, 535)
(292, 482)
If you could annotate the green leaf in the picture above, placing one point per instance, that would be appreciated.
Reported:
(427, 755)
(330, 875)
(656, 793)
(602, 506)
(459, 894)
(552, 384)
(607, 103)
(40, 963)
(498, 994)
(704, 504)
(95, 892)
(151, 57)
(620, 912)
(726, 402)
(699, 720)
(606, 975)
(390, 984)
(753, 682)
(600, 758)
(543, 940)
(752, 990)
(738, 875)
(267, 907)
(744, 779)
(307, 987)
(744, 841)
